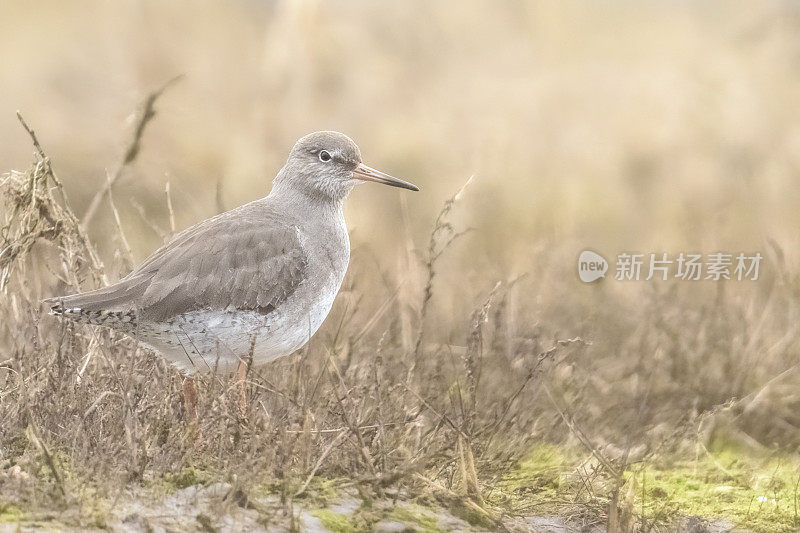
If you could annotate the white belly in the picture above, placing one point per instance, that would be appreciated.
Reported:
(216, 341)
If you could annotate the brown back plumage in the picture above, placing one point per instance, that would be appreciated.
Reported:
(249, 258)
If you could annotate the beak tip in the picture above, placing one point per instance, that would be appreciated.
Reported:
(363, 172)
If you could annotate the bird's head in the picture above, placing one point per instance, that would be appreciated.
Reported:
(329, 163)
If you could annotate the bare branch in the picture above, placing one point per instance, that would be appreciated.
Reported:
(147, 114)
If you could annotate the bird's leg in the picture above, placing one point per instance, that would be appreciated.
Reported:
(241, 372)
(190, 398)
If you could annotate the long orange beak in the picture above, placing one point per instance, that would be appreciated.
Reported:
(365, 173)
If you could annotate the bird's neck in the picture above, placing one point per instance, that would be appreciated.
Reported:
(306, 200)
(323, 218)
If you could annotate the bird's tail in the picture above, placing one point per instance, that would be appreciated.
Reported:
(100, 306)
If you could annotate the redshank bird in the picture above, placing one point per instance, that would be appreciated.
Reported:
(250, 285)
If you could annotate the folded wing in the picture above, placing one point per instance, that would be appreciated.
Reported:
(249, 261)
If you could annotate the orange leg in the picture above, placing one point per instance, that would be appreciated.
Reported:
(241, 372)
(190, 398)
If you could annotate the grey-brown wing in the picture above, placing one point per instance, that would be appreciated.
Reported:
(234, 262)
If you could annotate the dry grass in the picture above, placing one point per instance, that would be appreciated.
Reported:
(360, 407)
(370, 413)
(448, 354)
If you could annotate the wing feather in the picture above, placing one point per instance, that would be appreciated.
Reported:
(239, 265)
(249, 258)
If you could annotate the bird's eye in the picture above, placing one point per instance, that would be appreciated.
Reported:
(325, 156)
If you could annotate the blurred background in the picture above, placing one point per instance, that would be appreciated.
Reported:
(614, 126)
(634, 126)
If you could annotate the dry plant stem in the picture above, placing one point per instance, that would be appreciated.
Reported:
(99, 400)
(327, 431)
(353, 426)
(380, 398)
(190, 398)
(436, 247)
(581, 435)
(469, 476)
(147, 221)
(242, 370)
(241, 374)
(48, 459)
(132, 150)
(87, 359)
(535, 371)
(473, 355)
(75, 224)
(377, 315)
(122, 238)
(442, 417)
(443, 492)
(218, 199)
(130, 420)
(333, 444)
(169, 208)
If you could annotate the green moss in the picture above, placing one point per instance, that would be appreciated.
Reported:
(540, 470)
(320, 490)
(414, 514)
(538, 477)
(95, 510)
(758, 494)
(324, 489)
(335, 522)
(10, 513)
(187, 477)
(473, 516)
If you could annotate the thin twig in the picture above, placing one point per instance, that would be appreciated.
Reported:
(152, 225)
(377, 315)
(169, 208)
(68, 212)
(533, 372)
(352, 425)
(48, 459)
(132, 150)
(443, 417)
(436, 247)
(581, 435)
(122, 238)
(335, 442)
(340, 429)
(32, 133)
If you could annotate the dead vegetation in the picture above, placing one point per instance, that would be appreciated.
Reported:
(85, 411)
(100, 413)
(438, 376)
